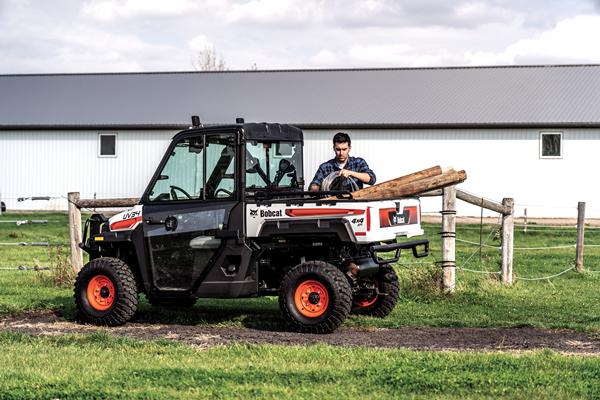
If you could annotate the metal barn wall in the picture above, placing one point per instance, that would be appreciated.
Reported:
(53, 163)
(499, 163)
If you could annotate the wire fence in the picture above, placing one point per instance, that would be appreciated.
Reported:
(492, 228)
(546, 229)
(52, 248)
(544, 232)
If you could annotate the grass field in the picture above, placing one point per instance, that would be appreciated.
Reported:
(571, 300)
(98, 366)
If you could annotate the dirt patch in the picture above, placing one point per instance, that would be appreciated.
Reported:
(427, 338)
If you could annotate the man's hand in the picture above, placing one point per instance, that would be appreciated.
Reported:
(313, 188)
(361, 176)
(346, 173)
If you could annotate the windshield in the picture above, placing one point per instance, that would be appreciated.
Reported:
(273, 165)
(198, 168)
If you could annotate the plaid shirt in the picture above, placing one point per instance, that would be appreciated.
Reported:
(356, 164)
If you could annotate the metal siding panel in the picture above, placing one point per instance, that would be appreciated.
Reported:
(499, 163)
(53, 163)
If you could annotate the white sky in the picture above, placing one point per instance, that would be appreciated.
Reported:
(48, 36)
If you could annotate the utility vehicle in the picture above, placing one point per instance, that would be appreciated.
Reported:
(225, 215)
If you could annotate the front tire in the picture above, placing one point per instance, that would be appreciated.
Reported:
(106, 292)
(315, 297)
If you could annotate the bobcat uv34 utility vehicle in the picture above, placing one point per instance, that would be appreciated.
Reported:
(225, 215)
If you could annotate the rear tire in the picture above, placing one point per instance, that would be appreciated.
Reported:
(106, 292)
(315, 297)
(382, 304)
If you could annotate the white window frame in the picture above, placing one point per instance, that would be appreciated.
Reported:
(116, 135)
(541, 140)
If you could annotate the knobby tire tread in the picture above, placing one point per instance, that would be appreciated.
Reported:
(126, 292)
(389, 284)
(341, 297)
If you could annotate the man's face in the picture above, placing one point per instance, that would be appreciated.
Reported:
(341, 151)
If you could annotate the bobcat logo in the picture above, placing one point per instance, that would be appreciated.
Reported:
(253, 213)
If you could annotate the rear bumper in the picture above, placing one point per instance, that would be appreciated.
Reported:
(420, 248)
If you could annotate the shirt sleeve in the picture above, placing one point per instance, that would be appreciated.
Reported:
(319, 176)
(364, 167)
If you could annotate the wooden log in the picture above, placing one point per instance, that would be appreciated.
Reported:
(481, 202)
(449, 239)
(108, 203)
(507, 243)
(414, 188)
(432, 193)
(376, 190)
(75, 231)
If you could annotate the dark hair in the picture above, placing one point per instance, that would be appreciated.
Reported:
(341, 137)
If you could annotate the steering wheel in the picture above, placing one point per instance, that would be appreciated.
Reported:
(174, 195)
(227, 192)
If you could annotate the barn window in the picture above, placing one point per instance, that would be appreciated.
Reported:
(551, 144)
(107, 145)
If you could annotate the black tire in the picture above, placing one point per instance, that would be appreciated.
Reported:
(379, 305)
(114, 296)
(174, 303)
(327, 306)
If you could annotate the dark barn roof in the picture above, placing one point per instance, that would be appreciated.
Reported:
(566, 95)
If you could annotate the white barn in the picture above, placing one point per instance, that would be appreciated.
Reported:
(526, 132)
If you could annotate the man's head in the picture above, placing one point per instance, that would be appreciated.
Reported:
(341, 147)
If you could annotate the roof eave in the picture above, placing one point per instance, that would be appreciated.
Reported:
(313, 125)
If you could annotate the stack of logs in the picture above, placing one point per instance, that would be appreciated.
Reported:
(412, 184)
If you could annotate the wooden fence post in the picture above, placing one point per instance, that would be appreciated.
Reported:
(508, 225)
(75, 231)
(448, 239)
(580, 235)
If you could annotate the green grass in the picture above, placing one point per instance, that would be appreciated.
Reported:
(569, 301)
(55, 232)
(99, 367)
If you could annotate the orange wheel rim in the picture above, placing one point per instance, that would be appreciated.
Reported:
(368, 302)
(311, 298)
(101, 293)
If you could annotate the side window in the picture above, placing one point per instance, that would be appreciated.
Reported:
(551, 145)
(182, 176)
(220, 166)
(107, 145)
(256, 166)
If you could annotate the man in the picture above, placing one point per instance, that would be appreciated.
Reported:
(352, 168)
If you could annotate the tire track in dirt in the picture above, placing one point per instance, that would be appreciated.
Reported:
(425, 338)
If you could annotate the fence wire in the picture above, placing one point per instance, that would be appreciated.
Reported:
(34, 244)
(24, 268)
(543, 278)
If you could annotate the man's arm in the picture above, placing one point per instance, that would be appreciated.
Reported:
(315, 184)
(362, 173)
(364, 177)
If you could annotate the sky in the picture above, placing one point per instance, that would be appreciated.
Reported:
(80, 36)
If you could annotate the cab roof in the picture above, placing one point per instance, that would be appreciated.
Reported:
(263, 131)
